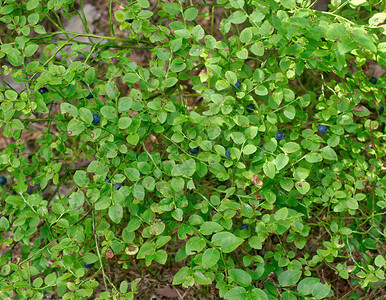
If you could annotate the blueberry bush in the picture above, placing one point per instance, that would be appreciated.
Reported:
(241, 156)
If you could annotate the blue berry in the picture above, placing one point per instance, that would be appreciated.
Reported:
(280, 136)
(117, 186)
(140, 173)
(244, 226)
(43, 90)
(262, 147)
(322, 128)
(107, 180)
(96, 119)
(88, 266)
(382, 108)
(3, 180)
(373, 80)
(250, 108)
(237, 85)
(194, 150)
(227, 154)
(90, 96)
(129, 20)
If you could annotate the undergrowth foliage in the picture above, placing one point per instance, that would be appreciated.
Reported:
(247, 155)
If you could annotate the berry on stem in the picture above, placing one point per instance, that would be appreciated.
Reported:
(88, 266)
(129, 20)
(3, 180)
(117, 186)
(90, 96)
(280, 136)
(373, 80)
(227, 154)
(43, 90)
(96, 119)
(237, 85)
(244, 226)
(193, 150)
(107, 180)
(322, 128)
(250, 108)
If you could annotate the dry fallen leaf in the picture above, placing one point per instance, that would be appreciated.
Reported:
(256, 180)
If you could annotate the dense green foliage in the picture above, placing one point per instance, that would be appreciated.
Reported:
(269, 119)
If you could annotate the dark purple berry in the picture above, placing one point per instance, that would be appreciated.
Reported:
(107, 180)
(117, 186)
(43, 90)
(250, 108)
(244, 226)
(237, 85)
(90, 96)
(280, 136)
(88, 266)
(194, 150)
(322, 128)
(96, 119)
(262, 147)
(373, 80)
(3, 180)
(227, 154)
(129, 20)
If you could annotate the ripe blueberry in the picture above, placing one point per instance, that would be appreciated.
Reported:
(117, 186)
(140, 173)
(244, 226)
(129, 20)
(322, 128)
(88, 266)
(279, 136)
(237, 85)
(381, 108)
(194, 150)
(3, 180)
(262, 147)
(96, 118)
(373, 80)
(227, 154)
(90, 96)
(107, 180)
(43, 90)
(250, 108)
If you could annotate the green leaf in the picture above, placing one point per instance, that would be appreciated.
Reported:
(289, 277)
(76, 200)
(329, 153)
(321, 291)
(269, 169)
(30, 49)
(291, 147)
(85, 115)
(306, 285)
(227, 241)
(313, 157)
(236, 293)
(116, 213)
(241, 277)
(210, 258)
(237, 17)
(109, 112)
(190, 14)
(290, 4)
(181, 275)
(32, 4)
(194, 245)
(249, 149)
(257, 48)
(281, 214)
(301, 173)
(90, 258)
(124, 122)
(139, 192)
(281, 161)
(246, 35)
(81, 178)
